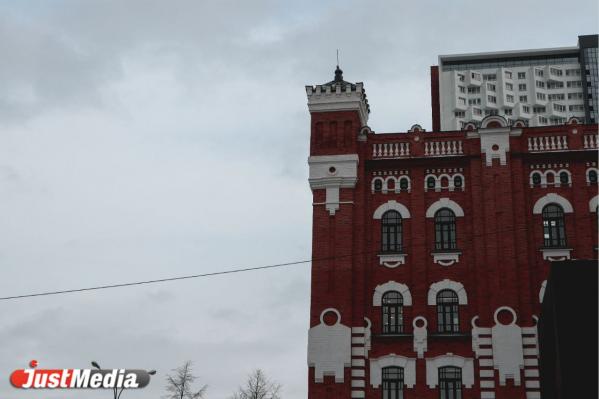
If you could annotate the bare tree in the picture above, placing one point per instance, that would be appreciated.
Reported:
(258, 386)
(179, 385)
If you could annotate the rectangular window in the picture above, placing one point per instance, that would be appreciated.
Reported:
(556, 97)
(509, 86)
(461, 77)
(523, 99)
(473, 90)
(521, 75)
(490, 76)
(508, 75)
(475, 76)
(462, 100)
(526, 109)
(573, 72)
(539, 72)
(490, 86)
(574, 83)
(522, 87)
(474, 101)
(450, 383)
(575, 96)
(460, 114)
(576, 108)
(462, 89)
(539, 110)
(507, 111)
(540, 84)
(556, 71)
(477, 111)
(559, 107)
(509, 98)
(492, 99)
(542, 120)
(541, 96)
(555, 85)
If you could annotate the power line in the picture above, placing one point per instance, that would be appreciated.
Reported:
(247, 269)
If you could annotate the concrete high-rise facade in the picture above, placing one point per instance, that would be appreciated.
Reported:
(539, 87)
(431, 249)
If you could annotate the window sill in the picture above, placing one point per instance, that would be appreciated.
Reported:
(450, 335)
(446, 257)
(391, 336)
(555, 254)
(392, 260)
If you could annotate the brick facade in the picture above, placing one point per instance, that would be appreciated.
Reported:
(500, 262)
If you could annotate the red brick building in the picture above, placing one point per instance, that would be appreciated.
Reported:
(432, 248)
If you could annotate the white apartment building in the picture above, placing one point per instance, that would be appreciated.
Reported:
(540, 87)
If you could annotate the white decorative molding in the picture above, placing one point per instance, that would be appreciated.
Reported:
(555, 254)
(380, 290)
(329, 348)
(446, 284)
(587, 178)
(392, 260)
(552, 198)
(391, 205)
(494, 143)
(446, 258)
(444, 203)
(420, 336)
(408, 365)
(433, 365)
(333, 172)
(542, 291)
(593, 203)
(325, 98)
(508, 355)
(477, 341)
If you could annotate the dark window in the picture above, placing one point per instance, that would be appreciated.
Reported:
(403, 184)
(554, 231)
(392, 383)
(378, 185)
(392, 313)
(445, 235)
(564, 178)
(430, 182)
(391, 230)
(536, 179)
(457, 181)
(448, 318)
(450, 382)
(593, 176)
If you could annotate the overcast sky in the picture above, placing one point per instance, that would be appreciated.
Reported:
(148, 139)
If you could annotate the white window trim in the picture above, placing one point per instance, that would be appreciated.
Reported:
(391, 205)
(444, 203)
(552, 198)
(593, 204)
(380, 290)
(587, 175)
(433, 365)
(447, 284)
(408, 364)
(382, 183)
(557, 181)
(543, 179)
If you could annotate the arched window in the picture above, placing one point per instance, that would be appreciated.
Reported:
(393, 382)
(445, 234)
(450, 382)
(554, 230)
(404, 184)
(448, 317)
(564, 178)
(391, 230)
(430, 183)
(592, 176)
(392, 307)
(536, 179)
(457, 181)
(378, 185)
